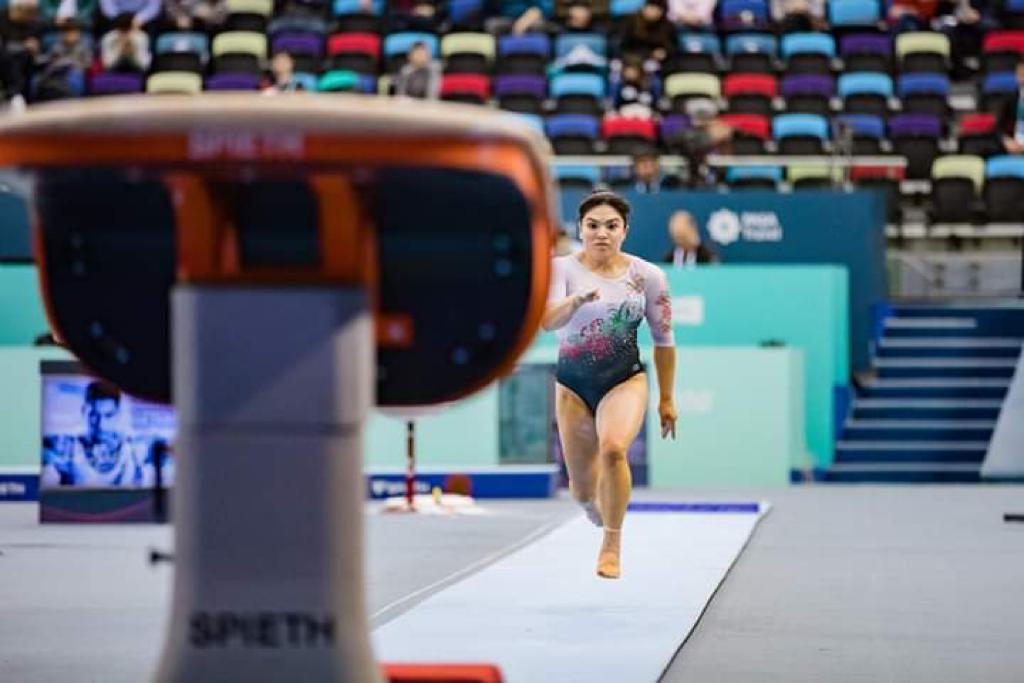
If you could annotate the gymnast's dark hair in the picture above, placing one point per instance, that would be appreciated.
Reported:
(604, 198)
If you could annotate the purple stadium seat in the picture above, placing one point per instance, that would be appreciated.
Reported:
(808, 84)
(673, 125)
(109, 83)
(297, 43)
(233, 81)
(915, 125)
(520, 84)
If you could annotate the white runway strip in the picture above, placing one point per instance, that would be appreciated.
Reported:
(542, 614)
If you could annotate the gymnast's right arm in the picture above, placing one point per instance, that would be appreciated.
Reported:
(561, 304)
(559, 311)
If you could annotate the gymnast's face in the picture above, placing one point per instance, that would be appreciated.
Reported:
(603, 231)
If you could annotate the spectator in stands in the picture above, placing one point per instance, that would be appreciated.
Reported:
(799, 15)
(647, 176)
(578, 17)
(1011, 118)
(520, 16)
(696, 15)
(59, 11)
(20, 28)
(126, 46)
(687, 250)
(649, 34)
(142, 12)
(195, 15)
(635, 96)
(282, 72)
(414, 15)
(707, 134)
(965, 23)
(911, 15)
(64, 65)
(420, 77)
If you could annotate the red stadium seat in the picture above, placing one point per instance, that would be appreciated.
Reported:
(749, 124)
(628, 135)
(977, 124)
(1002, 50)
(469, 88)
(750, 93)
(347, 43)
(750, 84)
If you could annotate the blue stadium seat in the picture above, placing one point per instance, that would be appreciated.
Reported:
(995, 88)
(565, 43)
(693, 41)
(853, 13)
(752, 52)
(577, 84)
(341, 7)
(808, 53)
(865, 93)
(1005, 165)
(532, 120)
(735, 11)
(526, 44)
(800, 133)
(1004, 188)
(573, 133)
(577, 175)
(803, 43)
(753, 177)
(398, 44)
(924, 93)
(184, 41)
(867, 132)
(620, 8)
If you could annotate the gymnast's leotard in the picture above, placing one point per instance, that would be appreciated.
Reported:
(597, 348)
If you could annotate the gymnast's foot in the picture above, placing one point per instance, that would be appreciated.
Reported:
(608, 558)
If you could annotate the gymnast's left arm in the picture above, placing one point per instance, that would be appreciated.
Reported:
(659, 318)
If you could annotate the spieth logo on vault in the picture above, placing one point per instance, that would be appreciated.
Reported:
(726, 227)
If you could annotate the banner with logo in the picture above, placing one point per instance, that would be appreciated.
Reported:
(814, 227)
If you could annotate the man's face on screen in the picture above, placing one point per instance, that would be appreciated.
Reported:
(100, 415)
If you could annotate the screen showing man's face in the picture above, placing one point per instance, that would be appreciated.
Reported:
(99, 416)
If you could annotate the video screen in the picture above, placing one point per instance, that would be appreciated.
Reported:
(95, 436)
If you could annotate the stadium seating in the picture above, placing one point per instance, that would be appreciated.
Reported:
(956, 187)
(1004, 188)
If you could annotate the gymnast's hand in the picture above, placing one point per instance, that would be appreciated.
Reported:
(587, 297)
(667, 413)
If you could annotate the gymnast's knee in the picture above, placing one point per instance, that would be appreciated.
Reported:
(613, 455)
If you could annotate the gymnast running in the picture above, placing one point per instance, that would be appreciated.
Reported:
(598, 298)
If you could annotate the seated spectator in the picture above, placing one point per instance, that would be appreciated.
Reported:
(635, 96)
(414, 15)
(696, 15)
(965, 23)
(799, 15)
(282, 71)
(707, 134)
(687, 250)
(126, 46)
(142, 12)
(20, 28)
(519, 16)
(647, 177)
(195, 15)
(581, 16)
(59, 11)
(1011, 118)
(420, 77)
(911, 15)
(64, 65)
(649, 34)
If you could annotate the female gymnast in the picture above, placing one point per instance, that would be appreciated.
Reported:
(598, 298)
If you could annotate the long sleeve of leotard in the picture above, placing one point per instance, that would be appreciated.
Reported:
(659, 308)
(559, 284)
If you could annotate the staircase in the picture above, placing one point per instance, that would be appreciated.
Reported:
(941, 373)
